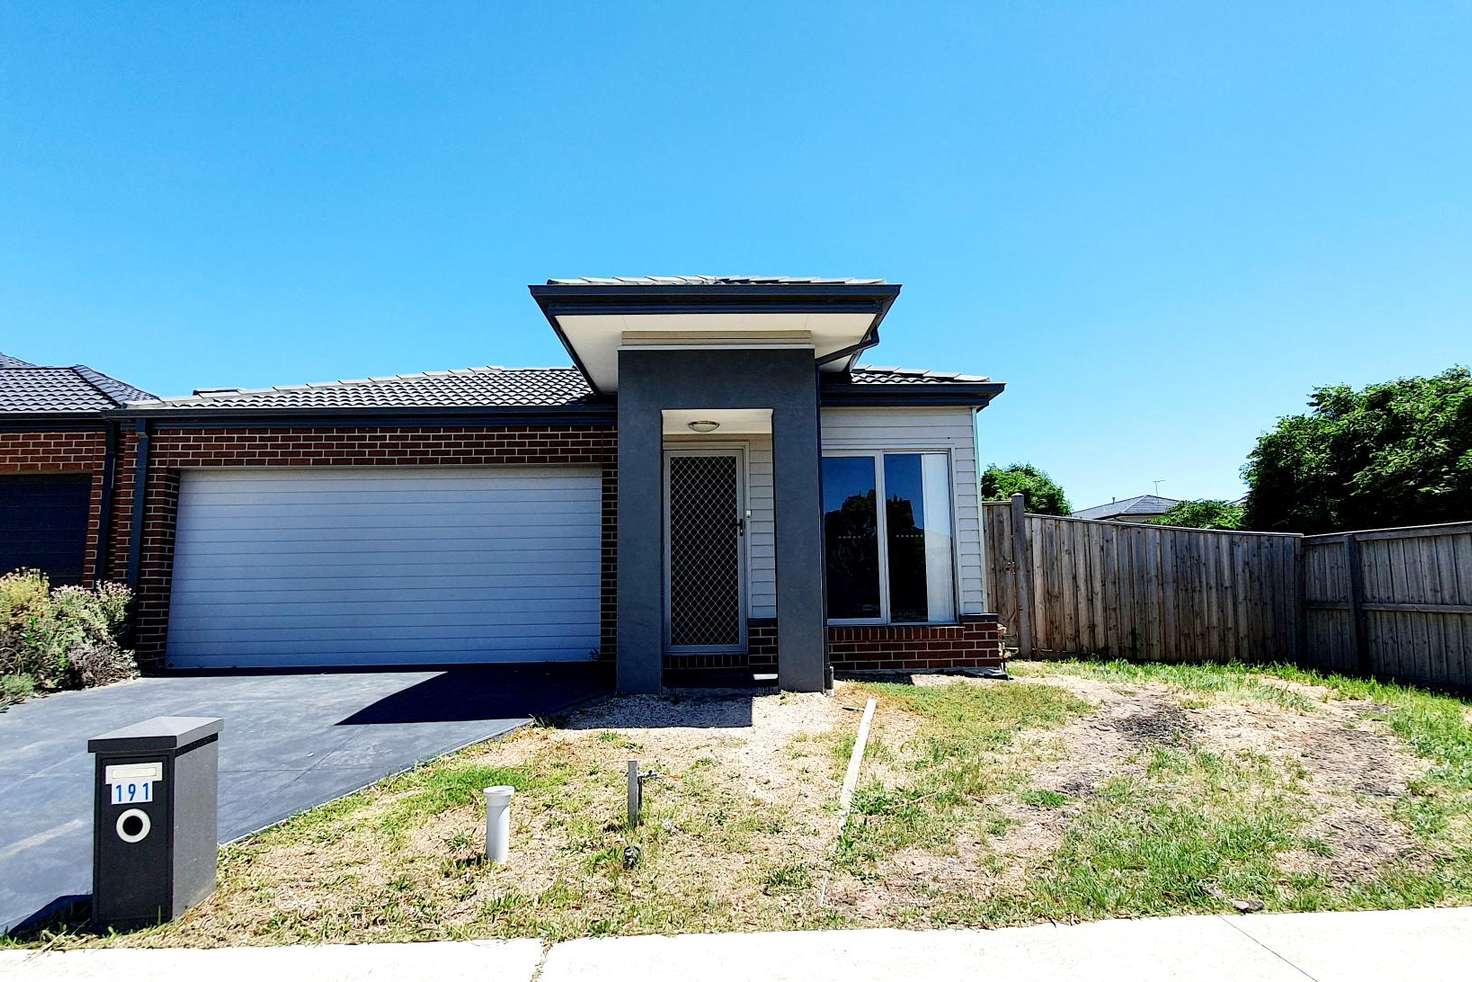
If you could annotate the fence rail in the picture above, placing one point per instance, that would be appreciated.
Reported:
(1393, 603)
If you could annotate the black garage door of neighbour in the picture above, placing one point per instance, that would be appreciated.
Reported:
(43, 524)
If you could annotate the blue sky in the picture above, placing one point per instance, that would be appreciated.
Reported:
(1161, 224)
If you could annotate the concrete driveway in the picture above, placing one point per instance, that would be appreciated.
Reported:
(290, 741)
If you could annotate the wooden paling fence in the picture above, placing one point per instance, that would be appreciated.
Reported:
(1394, 604)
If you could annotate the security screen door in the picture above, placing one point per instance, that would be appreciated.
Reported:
(704, 546)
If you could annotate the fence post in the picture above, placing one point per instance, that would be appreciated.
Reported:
(1357, 625)
(1022, 569)
(1300, 603)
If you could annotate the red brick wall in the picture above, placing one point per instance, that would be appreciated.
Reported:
(62, 452)
(360, 446)
(974, 643)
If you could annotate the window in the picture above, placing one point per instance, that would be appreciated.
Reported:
(892, 564)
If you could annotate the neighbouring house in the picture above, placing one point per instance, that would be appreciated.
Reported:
(57, 463)
(668, 503)
(1143, 508)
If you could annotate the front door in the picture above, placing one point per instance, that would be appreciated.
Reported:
(704, 547)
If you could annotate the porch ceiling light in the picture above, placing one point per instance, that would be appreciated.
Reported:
(703, 425)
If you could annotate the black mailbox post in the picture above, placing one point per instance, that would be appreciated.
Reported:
(154, 825)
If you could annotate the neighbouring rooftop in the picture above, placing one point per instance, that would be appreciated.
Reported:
(1141, 505)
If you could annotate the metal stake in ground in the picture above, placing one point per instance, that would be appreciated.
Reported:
(636, 791)
(636, 794)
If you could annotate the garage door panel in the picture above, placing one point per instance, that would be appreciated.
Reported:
(412, 513)
(270, 651)
(365, 497)
(366, 550)
(549, 567)
(529, 615)
(576, 529)
(270, 479)
(386, 566)
(483, 634)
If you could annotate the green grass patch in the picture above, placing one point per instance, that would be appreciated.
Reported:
(1188, 836)
(425, 793)
(1044, 798)
(940, 779)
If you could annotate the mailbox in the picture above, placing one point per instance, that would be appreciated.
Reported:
(154, 826)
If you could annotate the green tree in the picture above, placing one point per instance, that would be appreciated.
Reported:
(1396, 453)
(1205, 513)
(1040, 493)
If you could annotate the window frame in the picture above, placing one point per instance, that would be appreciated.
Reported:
(882, 532)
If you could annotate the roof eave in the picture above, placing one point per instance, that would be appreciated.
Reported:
(90, 419)
(559, 299)
(975, 394)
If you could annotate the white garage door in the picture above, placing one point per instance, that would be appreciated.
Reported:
(286, 567)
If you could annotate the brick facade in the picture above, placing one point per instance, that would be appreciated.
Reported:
(62, 452)
(172, 449)
(976, 642)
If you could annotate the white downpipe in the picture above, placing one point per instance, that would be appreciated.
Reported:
(498, 822)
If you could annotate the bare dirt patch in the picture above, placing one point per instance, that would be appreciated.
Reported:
(1348, 768)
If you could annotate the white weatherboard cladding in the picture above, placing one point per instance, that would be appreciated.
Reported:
(948, 429)
(301, 567)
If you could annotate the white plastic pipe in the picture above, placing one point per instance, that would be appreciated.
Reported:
(498, 822)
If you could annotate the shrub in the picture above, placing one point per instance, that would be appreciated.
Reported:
(1204, 513)
(62, 638)
(1040, 493)
(15, 688)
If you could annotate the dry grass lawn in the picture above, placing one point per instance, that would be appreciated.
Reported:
(1076, 791)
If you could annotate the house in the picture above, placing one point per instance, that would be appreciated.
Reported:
(1144, 508)
(57, 461)
(668, 503)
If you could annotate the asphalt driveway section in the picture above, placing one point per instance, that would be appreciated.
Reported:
(290, 741)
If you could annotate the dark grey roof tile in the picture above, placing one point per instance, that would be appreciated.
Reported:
(539, 388)
(74, 389)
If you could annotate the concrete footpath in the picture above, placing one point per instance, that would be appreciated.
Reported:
(1415, 946)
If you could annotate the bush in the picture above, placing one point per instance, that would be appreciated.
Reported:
(1040, 493)
(66, 638)
(15, 688)
(1204, 513)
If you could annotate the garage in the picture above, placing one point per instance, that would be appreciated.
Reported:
(297, 567)
(44, 522)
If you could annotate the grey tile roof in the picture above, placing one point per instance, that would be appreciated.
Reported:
(1143, 505)
(711, 281)
(6, 361)
(26, 388)
(876, 375)
(490, 386)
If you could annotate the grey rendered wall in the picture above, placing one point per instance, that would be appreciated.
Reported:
(784, 381)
